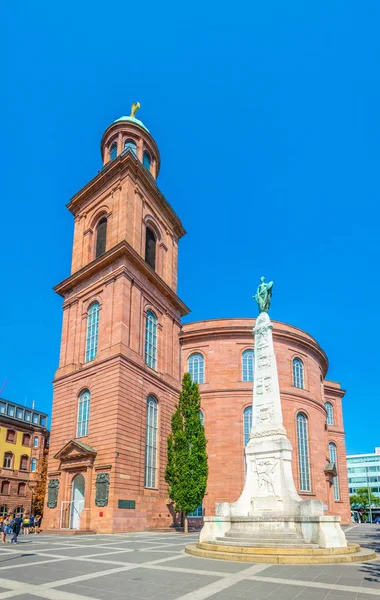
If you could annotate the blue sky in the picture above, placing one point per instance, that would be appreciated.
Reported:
(267, 118)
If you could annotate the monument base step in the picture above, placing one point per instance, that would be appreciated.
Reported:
(281, 555)
(262, 543)
(69, 531)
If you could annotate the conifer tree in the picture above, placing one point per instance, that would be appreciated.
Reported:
(186, 471)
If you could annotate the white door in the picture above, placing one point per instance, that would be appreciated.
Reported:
(77, 503)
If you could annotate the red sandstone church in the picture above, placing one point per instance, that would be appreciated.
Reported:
(123, 353)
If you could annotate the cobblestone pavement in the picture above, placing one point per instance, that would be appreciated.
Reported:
(153, 565)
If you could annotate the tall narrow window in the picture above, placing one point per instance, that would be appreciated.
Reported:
(34, 465)
(83, 413)
(5, 487)
(24, 463)
(151, 443)
(8, 459)
(92, 331)
(298, 373)
(130, 146)
(151, 340)
(330, 413)
(247, 424)
(202, 418)
(303, 453)
(333, 458)
(21, 489)
(113, 151)
(146, 160)
(101, 237)
(35, 441)
(247, 365)
(150, 248)
(26, 439)
(196, 367)
(11, 435)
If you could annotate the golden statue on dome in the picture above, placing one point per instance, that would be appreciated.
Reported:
(134, 108)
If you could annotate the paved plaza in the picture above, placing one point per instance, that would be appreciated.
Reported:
(153, 565)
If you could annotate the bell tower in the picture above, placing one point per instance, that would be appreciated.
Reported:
(118, 377)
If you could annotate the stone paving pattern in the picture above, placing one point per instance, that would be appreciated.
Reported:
(153, 565)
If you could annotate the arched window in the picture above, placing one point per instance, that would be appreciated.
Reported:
(8, 459)
(150, 248)
(151, 443)
(113, 151)
(5, 487)
(247, 365)
(196, 367)
(151, 340)
(24, 462)
(130, 146)
(247, 424)
(92, 331)
(34, 465)
(21, 489)
(11, 435)
(101, 237)
(18, 512)
(146, 160)
(26, 439)
(298, 373)
(330, 413)
(202, 418)
(3, 510)
(334, 459)
(303, 453)
(83, 413)
(35, 441)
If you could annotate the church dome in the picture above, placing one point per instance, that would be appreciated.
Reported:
(132, 120)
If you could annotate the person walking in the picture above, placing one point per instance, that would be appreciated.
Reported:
(16, 527)
(25, 525)
(5, 530)
(2, 530)
(31, 523)
(37, 523)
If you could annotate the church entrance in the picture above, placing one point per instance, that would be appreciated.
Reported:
(77, 501)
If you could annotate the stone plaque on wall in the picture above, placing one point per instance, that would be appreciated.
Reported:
(53, 488)
(102, 487)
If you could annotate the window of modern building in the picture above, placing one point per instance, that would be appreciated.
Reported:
(21, 489)
(11, 435)
(3, 510)
(113, 151)
(196, 367)
(298, 373)
(43, 421)
(146, 160)
(35, 419)
(83, 413)
(2, 408)
(5, 487)
(24, 461)
(35, 442)
(198, 512)
(303, 453)
(333, 458)
(18, 512)
(151, 443)
(26, 439)
(11, 410)
(8, 459)
(101, 237)
(27, 415)
(150, 248)
(151, 340)
(247, 365)
(330, 413)
(92, 331)
(34, 465)
(247, 424)
(19, 413)
(130, 146)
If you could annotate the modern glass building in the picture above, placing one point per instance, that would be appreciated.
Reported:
(364, 471)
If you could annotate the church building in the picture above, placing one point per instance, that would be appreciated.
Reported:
(124, 351)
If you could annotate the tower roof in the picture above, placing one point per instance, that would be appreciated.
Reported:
(132, 120)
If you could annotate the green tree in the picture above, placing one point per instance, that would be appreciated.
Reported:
(40, 489)
(186, 470)
(363, 498)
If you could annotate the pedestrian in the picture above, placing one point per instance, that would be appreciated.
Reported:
(5, 530)
(16, 526)
(25, 525)
(31, 523)
(37, 523)
(2, 530)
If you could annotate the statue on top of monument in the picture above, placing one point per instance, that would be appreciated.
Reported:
(263, 295)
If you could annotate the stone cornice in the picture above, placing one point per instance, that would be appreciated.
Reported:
(116, 170)
(123, 249)
(333, 389)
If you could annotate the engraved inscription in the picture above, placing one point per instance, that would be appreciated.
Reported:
(265, 476)
(265, 413)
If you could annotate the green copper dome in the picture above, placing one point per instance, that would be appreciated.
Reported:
(133, 120)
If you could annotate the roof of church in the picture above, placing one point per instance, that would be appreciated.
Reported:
(133, 120)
